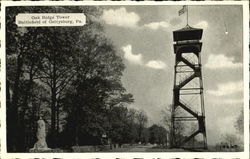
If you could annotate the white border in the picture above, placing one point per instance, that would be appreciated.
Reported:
(132, 155)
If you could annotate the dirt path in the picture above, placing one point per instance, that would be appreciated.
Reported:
(138, 149)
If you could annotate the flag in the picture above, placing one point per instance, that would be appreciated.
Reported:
(183, 10)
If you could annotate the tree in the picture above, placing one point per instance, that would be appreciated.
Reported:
(231, 139)
(166, 118)
(239, 123)
(132, 126)
(75, 72)
(61, 64)
(141, 120)
(166, 122)
(145, 135)
(118, 125)
(22, 63)
(96, 89)
(34, 55)
(158, 134)
(57, 68)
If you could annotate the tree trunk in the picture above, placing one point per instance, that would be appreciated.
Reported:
(12, 111)
(53, 117)
(25, 107)
(57, 122)
(53, 103)
(77, 124)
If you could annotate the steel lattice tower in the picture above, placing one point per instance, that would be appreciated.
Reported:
(188, 85)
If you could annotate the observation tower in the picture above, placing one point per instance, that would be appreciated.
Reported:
(188, 129)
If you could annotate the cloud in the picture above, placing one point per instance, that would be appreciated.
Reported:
(156, 25)
(227, 89)
(156, 64)
(133, 58)
(221, 61)
(120, 17)
(138, 59)
(202, 24)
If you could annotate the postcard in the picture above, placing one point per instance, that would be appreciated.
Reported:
(125, 80)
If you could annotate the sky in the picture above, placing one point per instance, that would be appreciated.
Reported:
(143, 37)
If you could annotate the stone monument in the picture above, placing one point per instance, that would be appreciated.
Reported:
(41, 144)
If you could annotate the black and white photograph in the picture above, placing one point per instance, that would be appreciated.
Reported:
(124, 78)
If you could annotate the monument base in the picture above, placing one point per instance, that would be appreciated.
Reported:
(40, 150)
(44, 150)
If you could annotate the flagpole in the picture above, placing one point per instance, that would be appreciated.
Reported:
(187, 14)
